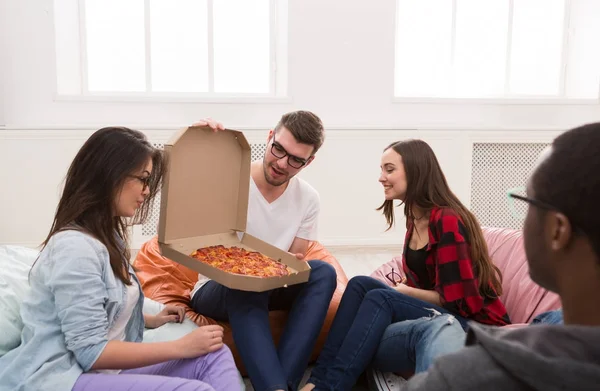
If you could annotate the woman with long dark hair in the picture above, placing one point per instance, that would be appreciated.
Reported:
(446, 263)
(83, 317)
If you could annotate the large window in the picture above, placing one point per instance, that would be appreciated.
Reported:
(532, 49)
(185, 48)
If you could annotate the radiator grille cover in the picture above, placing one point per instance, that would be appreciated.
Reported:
(496, 168)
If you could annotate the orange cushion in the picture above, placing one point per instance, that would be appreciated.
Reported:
(168, 282)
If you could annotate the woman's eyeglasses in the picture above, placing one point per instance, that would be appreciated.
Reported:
(145, 180)
(395, 277)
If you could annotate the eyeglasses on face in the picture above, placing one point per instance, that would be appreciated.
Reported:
(279, 152)
(145, 180)
(519, 212)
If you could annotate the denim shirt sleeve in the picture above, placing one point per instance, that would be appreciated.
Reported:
(75, 276)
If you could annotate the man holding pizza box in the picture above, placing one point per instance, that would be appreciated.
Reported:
(283, 211)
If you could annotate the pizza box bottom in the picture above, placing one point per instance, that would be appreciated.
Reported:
(179, 251)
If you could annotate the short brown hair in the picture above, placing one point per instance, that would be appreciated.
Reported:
(305, 126)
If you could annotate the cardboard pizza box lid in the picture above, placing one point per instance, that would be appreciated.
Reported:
(205, 190)
(204, 202)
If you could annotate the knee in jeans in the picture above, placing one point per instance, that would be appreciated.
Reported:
(439, 318)
(323, 271)
(443, 319)
(243, 299)
(357, 281)
(378, 297)
(445, 323)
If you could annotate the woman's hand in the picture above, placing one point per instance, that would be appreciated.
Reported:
(402, 287)
(203, 340)
(169, 314)
(125, 355)
(430, 296)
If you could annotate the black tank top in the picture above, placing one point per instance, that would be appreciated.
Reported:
(415, 260)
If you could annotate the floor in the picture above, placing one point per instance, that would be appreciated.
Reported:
(356, 261)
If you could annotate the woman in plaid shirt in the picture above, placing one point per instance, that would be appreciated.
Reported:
(446, 262)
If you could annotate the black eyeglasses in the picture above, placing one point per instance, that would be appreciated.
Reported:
(145, 180)
(394, 277)
(532, 201)
(512, 195)
(279, 152)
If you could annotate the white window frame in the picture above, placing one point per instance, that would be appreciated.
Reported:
(508, 100)
(278, 72)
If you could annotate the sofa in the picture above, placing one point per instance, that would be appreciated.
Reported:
(168, 282)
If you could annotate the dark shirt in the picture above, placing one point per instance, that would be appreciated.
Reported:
(416, 261)
(450, 271)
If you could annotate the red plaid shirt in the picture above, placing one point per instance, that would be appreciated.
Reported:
(450, 269)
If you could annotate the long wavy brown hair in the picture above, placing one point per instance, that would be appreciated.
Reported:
(427, 188)
(94, 179)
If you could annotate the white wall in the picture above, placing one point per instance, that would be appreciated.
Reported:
(340, 66)
(3, 57)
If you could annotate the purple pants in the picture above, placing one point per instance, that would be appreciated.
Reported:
(213, 372)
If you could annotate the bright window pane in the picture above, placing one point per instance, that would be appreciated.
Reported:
(423, 48)
(67, 46)
(179, 45)
(115, 45)
(537, 40)
(242, 46)
(480, 48)
(583, 70)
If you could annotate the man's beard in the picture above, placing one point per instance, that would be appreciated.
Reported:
(270, 180)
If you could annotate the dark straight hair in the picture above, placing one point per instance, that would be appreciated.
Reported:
(93, 182)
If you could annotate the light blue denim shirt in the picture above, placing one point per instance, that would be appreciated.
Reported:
(74, 300)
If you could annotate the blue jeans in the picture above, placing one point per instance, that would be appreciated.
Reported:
(549, 317)
(413, 345)
(367, 308)
(271, 368)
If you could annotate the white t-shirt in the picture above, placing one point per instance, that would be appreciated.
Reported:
(117, 331)
(294, 214)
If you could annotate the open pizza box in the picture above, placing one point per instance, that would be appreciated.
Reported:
(204, 202)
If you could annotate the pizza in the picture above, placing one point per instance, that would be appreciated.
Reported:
(237, 260)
